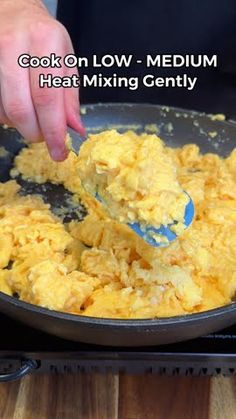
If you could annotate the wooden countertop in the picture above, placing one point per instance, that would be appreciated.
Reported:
(98, 396)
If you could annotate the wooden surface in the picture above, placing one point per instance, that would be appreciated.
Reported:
(98, 396)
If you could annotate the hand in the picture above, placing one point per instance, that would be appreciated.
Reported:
(26, 27)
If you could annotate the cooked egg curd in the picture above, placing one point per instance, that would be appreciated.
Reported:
(100, 267)
(134, 177)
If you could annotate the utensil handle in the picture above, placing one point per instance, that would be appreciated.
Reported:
(26, 368)
(232, 120)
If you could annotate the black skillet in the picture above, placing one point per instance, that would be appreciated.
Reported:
(177, 127)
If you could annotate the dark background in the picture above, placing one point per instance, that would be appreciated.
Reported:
(158, 27)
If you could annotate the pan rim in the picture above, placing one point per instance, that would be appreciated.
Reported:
(194, 112)
(116, 322)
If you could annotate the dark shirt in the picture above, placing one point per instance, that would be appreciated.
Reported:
(158, 27)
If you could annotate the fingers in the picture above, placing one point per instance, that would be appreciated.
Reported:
(49, 102)
(16, 104)
(3, 117)
(72, 103)
(73, 107)
(38, 112)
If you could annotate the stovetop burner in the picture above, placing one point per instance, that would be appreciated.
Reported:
(209, 355)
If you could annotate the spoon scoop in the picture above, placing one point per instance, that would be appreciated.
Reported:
(165, 233)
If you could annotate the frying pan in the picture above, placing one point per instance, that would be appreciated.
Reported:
(177, 127)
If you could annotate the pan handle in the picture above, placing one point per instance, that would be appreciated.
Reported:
(26, 368)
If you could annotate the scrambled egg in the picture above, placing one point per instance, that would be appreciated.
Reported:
(134, 177)
(100, 267)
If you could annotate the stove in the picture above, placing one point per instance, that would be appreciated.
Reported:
(24, 350)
